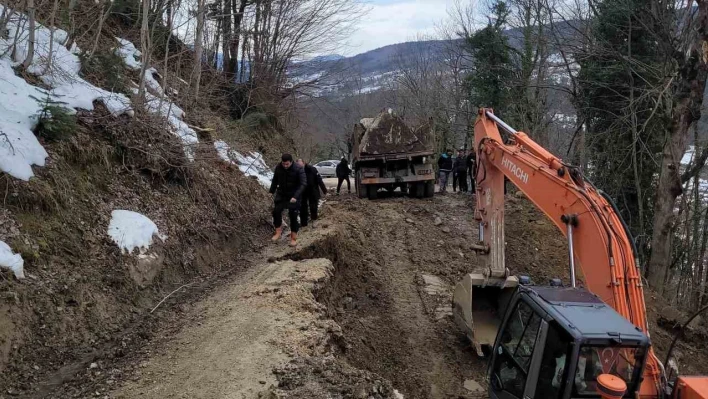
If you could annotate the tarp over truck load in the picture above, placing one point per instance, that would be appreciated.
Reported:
(388, 134)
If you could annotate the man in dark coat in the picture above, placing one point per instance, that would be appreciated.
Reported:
(444, 167)
(311, 195)
(471, 166)
(289, 181)
(460, 171)
(343, 172)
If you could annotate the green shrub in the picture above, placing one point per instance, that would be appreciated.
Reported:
(55, 123)
(105, 69)
(256, 120)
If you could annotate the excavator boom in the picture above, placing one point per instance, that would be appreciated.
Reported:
(599, 242)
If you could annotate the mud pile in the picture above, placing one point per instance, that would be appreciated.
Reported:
(388, 134)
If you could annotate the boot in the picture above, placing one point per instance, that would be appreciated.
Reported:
(278, 233)
(293, 239)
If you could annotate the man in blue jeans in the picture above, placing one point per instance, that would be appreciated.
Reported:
(445, 168)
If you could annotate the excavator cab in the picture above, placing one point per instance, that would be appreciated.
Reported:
(557, 342)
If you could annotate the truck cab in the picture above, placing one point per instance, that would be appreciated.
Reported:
(555, 342)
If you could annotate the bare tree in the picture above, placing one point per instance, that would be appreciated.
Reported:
(31, 40)
(145, 47)
(688, 91)
(198, 48)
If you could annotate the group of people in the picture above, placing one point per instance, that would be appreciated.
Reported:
(296, 187)
(461, 168)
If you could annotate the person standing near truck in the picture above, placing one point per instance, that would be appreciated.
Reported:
(471, 161)
(444, 167)
(311, 195)
(460, 171)
(343, 171)
(289, 182)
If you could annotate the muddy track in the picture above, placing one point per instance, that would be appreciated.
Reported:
(360, 309)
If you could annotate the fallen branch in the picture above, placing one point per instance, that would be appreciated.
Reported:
(169, 295)
(202, 129)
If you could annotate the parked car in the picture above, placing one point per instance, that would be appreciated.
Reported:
(327, 168)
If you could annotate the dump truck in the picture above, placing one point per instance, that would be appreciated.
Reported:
(387, 154)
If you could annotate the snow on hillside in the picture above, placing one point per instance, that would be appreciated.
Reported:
(251, 165)
(128, 53)
(159, 103)
(688, 156)
(19, 148)
(19, 104)
(12, 261)
(130, 230)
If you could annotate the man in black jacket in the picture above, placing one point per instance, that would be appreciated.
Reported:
(460, 172)
(289, 181)
(444, 167)
(311, 195)
(471, 166)
(343, 171)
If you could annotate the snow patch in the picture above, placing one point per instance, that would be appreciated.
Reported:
(19, 148)
(12, 261)
(174, 114)
(688, 156)
(130, 230)
(60, 68)
(129, 54)
(151, 82)
(160, 104)
(19, 101)
(251, 165)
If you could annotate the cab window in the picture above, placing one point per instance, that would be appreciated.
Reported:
(553, 372)
(619, 361)
(515, 350)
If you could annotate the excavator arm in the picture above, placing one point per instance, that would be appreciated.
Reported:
(599, 243)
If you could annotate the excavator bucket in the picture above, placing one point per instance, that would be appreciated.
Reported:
(479, 304)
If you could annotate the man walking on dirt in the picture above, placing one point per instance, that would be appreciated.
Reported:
(343, 172)
(471, 161)
(460, 171)
(311, 195)
(445, 167)
(289, 181)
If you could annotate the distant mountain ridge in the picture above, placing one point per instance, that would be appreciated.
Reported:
(374, 69)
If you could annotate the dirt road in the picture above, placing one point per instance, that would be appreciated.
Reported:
(360, 309)
(347, 314)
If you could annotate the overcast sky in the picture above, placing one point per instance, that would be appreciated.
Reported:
(395, 21)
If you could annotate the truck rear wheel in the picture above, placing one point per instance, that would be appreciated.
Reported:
(429, 189)
(417, 190)
(372, 191)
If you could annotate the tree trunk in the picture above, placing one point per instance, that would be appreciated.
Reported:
(226, 26)
(103, 17)
(688, 99)
(145, 48)
(217, 44)
(244, 53)
(170, 14)
(31, 39)
(198, 49)
(238, 18)
(52, 29)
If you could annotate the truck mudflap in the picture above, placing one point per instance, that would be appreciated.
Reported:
(399, 179)
(478, 306)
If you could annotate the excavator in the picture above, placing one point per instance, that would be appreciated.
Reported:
(558, 341)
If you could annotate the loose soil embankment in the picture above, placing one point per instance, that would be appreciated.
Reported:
(361, 309)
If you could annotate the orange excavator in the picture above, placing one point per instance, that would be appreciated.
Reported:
(558, 341)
